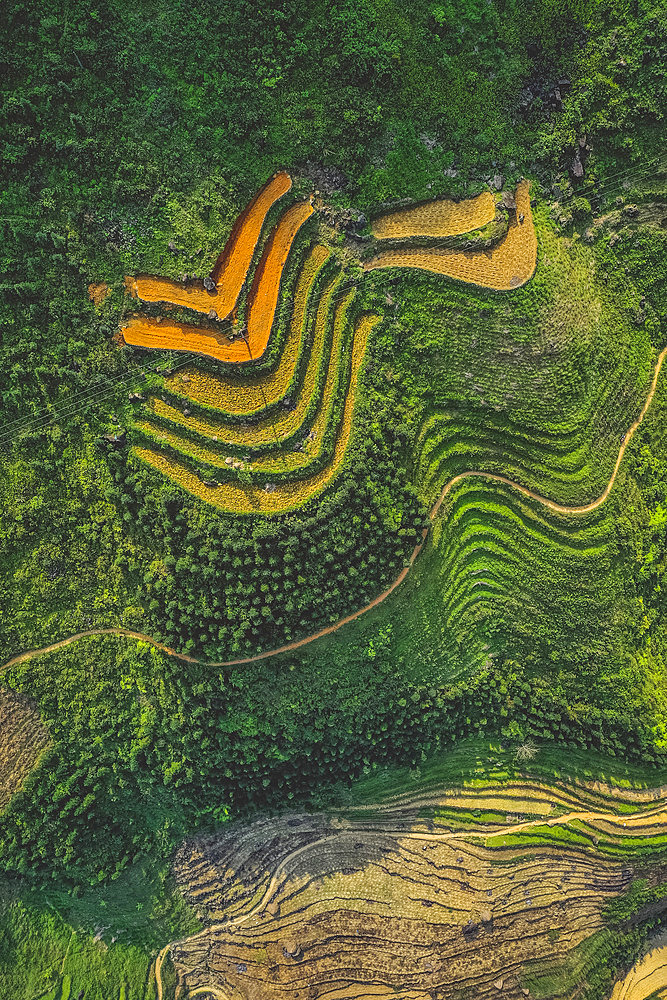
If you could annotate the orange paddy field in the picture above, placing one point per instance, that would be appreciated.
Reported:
(231, 268)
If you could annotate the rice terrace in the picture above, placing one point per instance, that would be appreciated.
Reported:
(333, 548)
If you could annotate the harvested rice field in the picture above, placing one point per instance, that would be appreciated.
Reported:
(263, 295)
(229, 346)
(269, 429)
(23, 740)
(308, 418)
(166, 335)
(507, 265)
(450, 893)
(436, 218)
(648, 977)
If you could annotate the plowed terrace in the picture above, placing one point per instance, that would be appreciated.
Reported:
(423, 896)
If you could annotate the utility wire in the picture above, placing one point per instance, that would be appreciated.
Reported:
(51, 415)
(89, 393)
(21, 424)
(93, 394)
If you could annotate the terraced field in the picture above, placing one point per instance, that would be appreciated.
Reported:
(231, 268)
(23, 740)
(436, 218)
(249, 442)
(441, 893)
(648, 978)
(507, 265)
(522, 405)
(541, 391)
(233, 495)
(223, 396)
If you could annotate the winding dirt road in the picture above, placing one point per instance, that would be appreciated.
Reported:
(622, 820)
(288, 647)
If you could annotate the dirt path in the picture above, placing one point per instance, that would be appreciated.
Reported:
(290, 646)
(659, 814)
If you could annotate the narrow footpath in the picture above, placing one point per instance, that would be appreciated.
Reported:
(621, 820)
(298, 643)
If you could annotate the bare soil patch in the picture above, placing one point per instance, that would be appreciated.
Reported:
(399, 904)
(23, 739)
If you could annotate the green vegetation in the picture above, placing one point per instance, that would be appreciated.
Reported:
(53, 945)
(132, 138)
(591, 967)
(638, 896)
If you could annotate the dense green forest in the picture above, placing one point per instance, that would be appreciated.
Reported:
(132, 136)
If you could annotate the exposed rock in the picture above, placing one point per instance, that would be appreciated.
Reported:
(497, 181)
(577, 167)
(212, 314)
(326, 179)
(172, 246)
(270, 488)
(209, 283)
(508, 201)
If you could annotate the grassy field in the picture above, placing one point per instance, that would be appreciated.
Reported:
(54, 946)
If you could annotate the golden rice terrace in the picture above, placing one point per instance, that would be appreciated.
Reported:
(263, 425)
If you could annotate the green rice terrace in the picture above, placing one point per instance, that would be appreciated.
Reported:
(333, 466)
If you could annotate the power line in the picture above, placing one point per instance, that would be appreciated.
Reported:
(87, 396)
(96, 394)
(51, 415)
(615, 183)
(86, 393)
